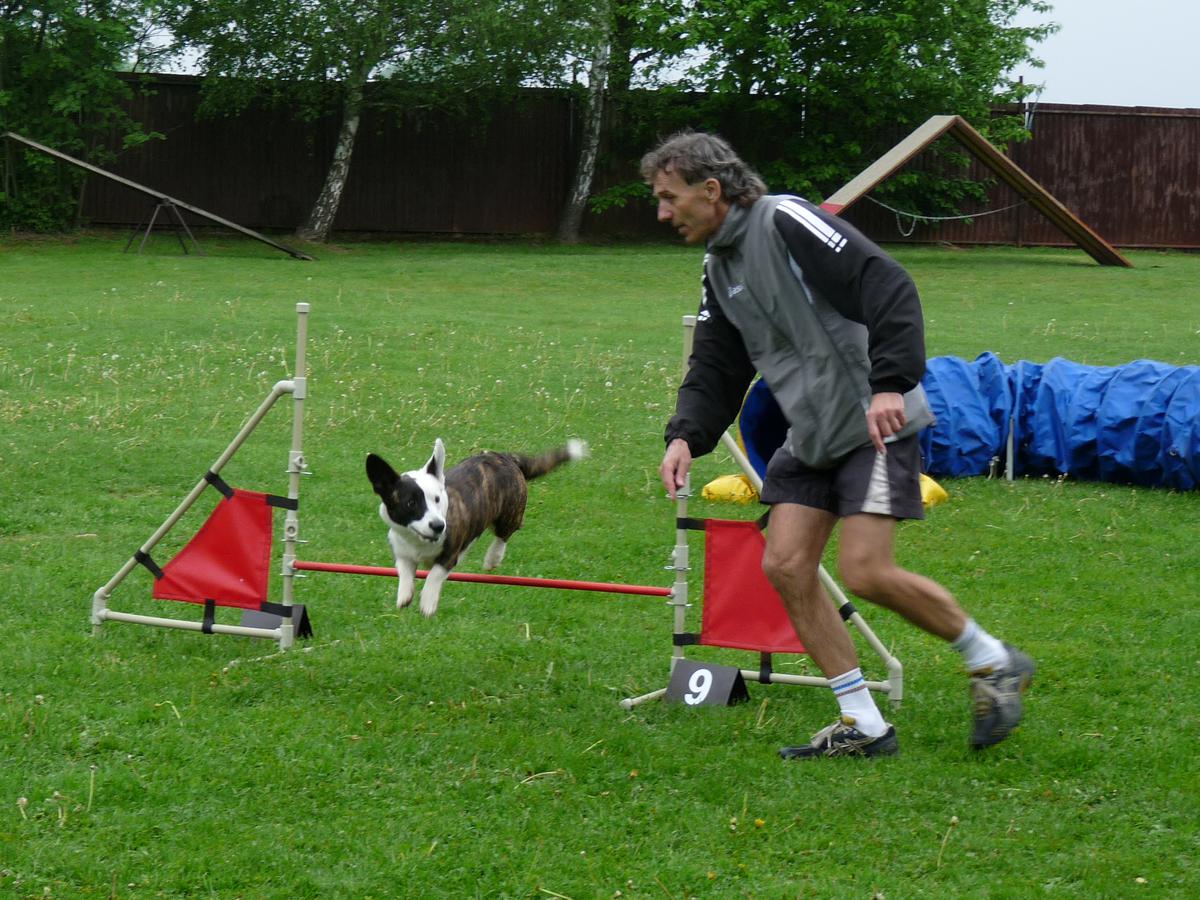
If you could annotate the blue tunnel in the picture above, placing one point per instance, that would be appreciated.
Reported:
(1138, 423)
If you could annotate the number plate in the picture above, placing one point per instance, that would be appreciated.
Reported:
(705, 684)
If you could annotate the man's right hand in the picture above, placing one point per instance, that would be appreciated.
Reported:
(676, 464)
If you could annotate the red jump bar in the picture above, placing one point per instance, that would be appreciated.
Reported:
(560, 583)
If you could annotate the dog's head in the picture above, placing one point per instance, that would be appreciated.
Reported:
(415, 501)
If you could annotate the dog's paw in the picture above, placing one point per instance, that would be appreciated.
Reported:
(403, 600)
(429, 605)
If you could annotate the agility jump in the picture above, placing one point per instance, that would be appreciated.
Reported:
(216, 568)
(228, 560)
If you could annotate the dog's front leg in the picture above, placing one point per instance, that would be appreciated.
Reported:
(406, 571)
(432, 592)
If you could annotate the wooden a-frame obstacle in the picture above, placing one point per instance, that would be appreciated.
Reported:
(1007, 170)
(227, 561)
(165, 204)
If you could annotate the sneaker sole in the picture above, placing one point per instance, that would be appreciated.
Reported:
(806, 751)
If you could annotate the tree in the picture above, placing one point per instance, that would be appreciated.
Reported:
(599, 34)
(819, 88)
(625, 44)
(59, 84)
(396, 55)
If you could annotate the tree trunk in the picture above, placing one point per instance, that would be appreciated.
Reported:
(593, 119)
(320, 220)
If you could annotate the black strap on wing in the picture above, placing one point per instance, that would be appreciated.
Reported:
(691, 524)
(220, 484)
(145, 560)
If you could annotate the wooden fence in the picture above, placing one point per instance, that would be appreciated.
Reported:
(1129, 173)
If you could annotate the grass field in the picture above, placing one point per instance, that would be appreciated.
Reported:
(483, 753)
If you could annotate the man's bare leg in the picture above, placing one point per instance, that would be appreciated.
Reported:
(867, 566)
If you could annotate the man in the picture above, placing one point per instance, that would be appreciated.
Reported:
(834, 326)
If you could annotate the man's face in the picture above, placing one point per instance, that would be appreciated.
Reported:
(696, 211)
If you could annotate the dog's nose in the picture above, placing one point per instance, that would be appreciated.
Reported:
(437, 527)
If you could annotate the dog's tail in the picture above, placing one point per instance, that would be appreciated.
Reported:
(534, 466)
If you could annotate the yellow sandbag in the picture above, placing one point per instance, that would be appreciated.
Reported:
(932, 493)
(736, 488)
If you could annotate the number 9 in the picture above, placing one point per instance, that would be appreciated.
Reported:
(700, 683)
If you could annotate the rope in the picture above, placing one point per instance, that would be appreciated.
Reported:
(917, 217)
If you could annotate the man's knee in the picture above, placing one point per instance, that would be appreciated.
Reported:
(858, 579)
(862, 572)
(787, 568)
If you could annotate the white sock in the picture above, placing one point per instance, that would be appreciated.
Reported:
(857, 704)
(979, 649)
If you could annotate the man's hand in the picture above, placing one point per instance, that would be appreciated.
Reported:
(676, 464)
(884, 418)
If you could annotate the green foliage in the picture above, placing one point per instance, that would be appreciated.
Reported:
(811, 92)
(311, 56)
(483, 753)
(59, 86)
(343, 56)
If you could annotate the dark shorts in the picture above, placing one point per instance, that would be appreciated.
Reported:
(863, 482)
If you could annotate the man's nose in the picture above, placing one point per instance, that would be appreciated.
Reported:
(664, 211)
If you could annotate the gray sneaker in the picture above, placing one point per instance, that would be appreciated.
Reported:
(996, 697)
(843, 739)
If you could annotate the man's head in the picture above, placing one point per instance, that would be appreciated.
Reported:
(696, 177)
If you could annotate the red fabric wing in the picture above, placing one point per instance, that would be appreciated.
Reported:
(229, 558)
(741, 608)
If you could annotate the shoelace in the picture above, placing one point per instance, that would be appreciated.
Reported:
(824, 738)
(985, 695)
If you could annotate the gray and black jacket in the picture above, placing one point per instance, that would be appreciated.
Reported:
(826, 317)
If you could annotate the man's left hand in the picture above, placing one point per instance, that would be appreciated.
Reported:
(884, 418)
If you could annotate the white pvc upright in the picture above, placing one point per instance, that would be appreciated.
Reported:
(296, 387)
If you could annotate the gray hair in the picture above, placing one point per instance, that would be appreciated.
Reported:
(697, 156)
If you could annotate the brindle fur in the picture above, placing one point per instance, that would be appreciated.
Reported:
(490, 491)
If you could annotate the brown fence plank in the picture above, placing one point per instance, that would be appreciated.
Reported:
(1129, 172)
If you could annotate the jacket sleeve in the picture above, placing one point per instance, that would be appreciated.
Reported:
(865, 285)
(719, 371)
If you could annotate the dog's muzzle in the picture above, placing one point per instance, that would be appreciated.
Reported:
(437, 529)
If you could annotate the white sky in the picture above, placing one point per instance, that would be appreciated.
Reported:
(1141, 53)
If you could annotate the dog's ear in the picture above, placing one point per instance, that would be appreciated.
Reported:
(437, 463)
(381, 474)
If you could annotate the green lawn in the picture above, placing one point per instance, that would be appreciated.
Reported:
(483, 753)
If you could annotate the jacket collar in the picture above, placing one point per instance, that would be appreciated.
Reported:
(729, 235)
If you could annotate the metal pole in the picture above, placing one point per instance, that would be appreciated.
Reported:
(562, 584)
(296, 468)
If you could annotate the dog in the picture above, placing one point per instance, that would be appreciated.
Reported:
(433, 516)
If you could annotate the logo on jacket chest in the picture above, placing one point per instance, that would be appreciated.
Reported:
(734, 290)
